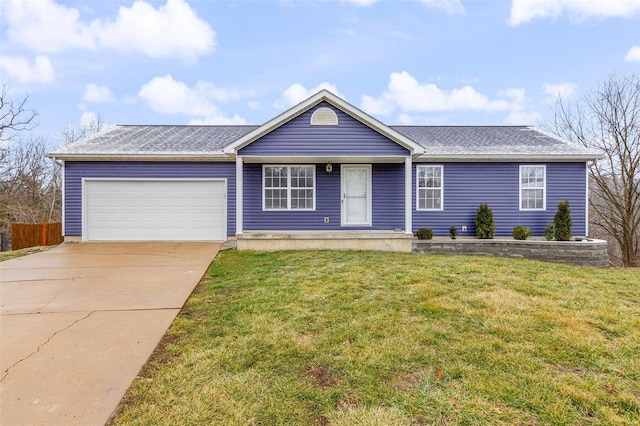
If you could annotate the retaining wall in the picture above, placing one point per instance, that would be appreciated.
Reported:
(587, 252)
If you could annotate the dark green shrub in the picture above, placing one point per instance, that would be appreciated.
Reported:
(485, 228)
(562, 222)
(453, 232)
(550, 232)
(424, 233)
(521, 232)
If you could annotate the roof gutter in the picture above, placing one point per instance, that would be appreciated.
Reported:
(142, 157)
(508, 158)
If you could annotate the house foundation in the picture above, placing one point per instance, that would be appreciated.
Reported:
(321, 240)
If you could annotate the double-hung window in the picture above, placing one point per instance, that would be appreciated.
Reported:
(288, 187)
(533, 181)
(430, 187)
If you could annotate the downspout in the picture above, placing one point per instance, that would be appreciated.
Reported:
(62, 190)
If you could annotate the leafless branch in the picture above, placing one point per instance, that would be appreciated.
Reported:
(14, 115)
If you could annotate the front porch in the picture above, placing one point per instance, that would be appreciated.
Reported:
(323, 240)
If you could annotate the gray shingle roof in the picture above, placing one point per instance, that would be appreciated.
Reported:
(489, 140)
(439, 141)
(140, 140)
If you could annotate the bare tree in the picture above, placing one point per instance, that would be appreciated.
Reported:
(608, 120)
(74, 133)
(14, 115)
(30, 183)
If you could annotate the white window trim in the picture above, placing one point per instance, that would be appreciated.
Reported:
(544, 187)
(288, 167)
(422, 166)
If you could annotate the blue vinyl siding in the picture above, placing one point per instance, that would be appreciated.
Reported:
(387, 182)
(299, 138)
(466, 185)
(75, 171)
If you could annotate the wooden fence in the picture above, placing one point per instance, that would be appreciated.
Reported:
(25, 235)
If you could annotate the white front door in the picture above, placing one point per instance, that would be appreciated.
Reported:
(356, 195)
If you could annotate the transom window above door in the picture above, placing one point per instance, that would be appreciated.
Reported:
(288, 187)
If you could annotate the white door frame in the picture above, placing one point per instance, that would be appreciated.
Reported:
(343, 194)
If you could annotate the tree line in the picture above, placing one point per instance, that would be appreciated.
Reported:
(30, 183)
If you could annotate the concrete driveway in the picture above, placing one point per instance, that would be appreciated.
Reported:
(78, 322)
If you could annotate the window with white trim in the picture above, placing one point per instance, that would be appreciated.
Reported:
(429, 180)
(533, 189)
(288, 187)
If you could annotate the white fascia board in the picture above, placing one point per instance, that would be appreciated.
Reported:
(503, 158)
(143, 157)
(283, 159)
(341, 104)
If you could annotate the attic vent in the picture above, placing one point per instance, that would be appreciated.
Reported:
(324, 117)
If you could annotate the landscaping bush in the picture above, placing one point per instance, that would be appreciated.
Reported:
(485, 228)
(562, 222)
(550, 232)
(521, 232)
(424, 233)
(453, 232)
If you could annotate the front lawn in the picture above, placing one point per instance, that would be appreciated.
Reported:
(342, 338)
(14, 254)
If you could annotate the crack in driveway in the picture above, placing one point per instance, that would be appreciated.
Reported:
(55, 296)
(5, 373)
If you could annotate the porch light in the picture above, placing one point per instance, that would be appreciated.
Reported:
(329, 168)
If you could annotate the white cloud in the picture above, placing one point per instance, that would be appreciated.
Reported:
(360, 2)
(97, 94)
(381, 106)
(407, 94)
(405, 119)
(19, 68)
(297, 93)
(523, 118)
(633, 55)
(559, 90)
(523, 11)
(217, 119)
(46, 26)
(171, 30)
(168, 96)
(88, 118)
(449, 6)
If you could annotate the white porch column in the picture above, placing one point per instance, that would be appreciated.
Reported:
(586, 201)
(408, 200)
(239, 194)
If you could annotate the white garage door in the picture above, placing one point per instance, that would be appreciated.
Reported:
(154, 210)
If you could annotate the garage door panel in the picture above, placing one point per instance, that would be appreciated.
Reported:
(157, 210)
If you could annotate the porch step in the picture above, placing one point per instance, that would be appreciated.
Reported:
(322, 240)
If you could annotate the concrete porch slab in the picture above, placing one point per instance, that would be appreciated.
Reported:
(321, 240)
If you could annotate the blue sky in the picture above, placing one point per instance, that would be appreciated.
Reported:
(441, 62)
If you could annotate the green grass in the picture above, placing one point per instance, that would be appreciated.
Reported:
(343, 338)
(14, 254)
